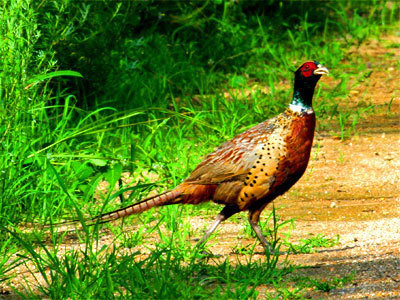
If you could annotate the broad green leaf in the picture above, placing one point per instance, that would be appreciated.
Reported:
(98, 162)
(113, 174)
(42, 77)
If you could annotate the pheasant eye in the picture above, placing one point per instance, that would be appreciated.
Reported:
(306, 70)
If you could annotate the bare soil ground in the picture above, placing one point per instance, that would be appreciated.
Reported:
(351, 189)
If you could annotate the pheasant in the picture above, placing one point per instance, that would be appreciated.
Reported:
(251, 170)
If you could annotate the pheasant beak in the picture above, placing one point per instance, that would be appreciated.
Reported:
(321, 70)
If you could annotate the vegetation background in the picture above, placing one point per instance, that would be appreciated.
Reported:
(90, 90)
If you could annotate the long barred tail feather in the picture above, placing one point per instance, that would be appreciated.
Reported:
(164, 198)
(145, 204)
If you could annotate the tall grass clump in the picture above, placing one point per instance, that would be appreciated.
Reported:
(19, 32)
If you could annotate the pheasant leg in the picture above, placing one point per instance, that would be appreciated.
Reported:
(211, 229)
(222, 216)
(267, 246)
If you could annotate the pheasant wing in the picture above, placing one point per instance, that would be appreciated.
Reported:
(235, 158)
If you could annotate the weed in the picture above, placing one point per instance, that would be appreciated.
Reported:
(288, 293)
(312, 243)
(325, 285)
(389, 105)
(349, 120)
(341, 157)
(316, 151)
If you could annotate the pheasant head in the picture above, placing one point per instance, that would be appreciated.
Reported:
(305, 79)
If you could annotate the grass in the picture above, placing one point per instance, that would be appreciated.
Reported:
(151, 103)
(348, 121)
(325, 285)
(107, 270)
(82, 265)
(310, 244)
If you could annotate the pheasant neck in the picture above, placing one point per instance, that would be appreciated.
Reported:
(302, 99)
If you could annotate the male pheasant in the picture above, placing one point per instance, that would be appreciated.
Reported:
(249, 171)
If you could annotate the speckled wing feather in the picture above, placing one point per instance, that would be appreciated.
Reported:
(282, 159)
(233, 159)
(233, 167)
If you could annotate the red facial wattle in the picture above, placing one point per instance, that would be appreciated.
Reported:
(308, 68)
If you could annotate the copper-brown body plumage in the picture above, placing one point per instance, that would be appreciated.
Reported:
(249, 171)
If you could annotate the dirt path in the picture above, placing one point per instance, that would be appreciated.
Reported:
(354, 192)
